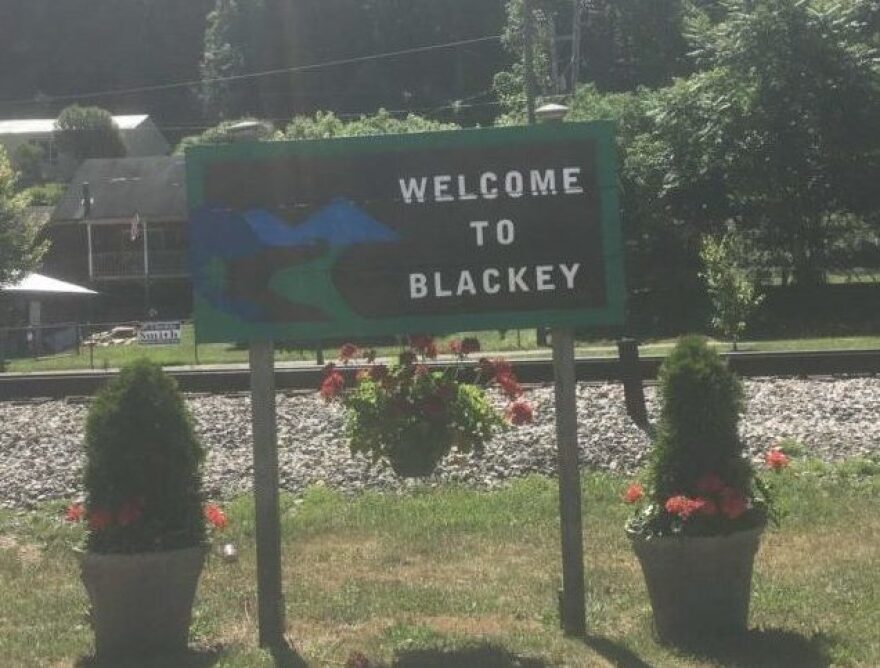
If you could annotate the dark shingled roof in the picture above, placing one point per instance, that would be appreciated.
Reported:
(154, 187)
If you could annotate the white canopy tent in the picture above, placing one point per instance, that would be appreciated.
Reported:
(39, 284)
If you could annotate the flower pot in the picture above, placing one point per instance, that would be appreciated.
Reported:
(141, 604)
(411, 462)
(699, 586)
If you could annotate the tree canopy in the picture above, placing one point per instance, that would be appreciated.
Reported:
(19, 253)
(88, 132)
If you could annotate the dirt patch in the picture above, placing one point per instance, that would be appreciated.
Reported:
(28, 554)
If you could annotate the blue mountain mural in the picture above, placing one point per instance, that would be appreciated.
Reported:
(340, 223)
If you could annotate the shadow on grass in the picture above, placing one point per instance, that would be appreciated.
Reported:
(192, 658)
(482, 656)
(286, 657)
(764, 647)
(615, 653)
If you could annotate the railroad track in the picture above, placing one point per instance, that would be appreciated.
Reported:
(58, 385)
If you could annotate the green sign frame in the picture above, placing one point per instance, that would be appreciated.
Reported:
(216, 324)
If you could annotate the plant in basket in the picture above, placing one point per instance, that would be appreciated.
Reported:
(146, 521)
(411, 414)
(701, 510)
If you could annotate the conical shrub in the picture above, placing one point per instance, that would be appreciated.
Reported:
(143, 466)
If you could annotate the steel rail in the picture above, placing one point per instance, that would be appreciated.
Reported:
(222, 380)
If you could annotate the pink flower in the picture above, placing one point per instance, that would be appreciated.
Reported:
(75, 512)
(509, 385)
(348, 352)
(633, 493)
(776, 459)
(683, 506)
(332, 384)
(215, 516)
(520, 412)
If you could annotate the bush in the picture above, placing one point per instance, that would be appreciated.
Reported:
(143, 478)
(699, 482)
(88, 132)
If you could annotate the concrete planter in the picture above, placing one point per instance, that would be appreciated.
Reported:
(699, 586)
(141, 604)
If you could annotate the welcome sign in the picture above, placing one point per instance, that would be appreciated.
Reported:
(435, 232)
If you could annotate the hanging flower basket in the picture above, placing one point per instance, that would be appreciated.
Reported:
(410, 415)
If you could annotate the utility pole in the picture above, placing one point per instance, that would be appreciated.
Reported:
(529, 58)
(576, 45)
(529, 66)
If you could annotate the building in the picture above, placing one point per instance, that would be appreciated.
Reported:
(121, 230)
(139, 134)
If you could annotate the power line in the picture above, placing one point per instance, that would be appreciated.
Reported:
(255, 75)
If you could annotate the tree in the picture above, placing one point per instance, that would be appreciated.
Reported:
(88, 132)
(231, 33)
(732, 286)
(325, 125)
(19, 252)
(780, 133)
(226, 132)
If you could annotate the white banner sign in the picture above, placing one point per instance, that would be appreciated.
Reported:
(160, 333)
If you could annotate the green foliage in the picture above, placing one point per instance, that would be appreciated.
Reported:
(697, 451)
(142, 474)
(408, 413)
(88, 132)
(44, 194)
(324, 125)
(232, 33)
(28, 162)
(732, 287)
(231, 131)
(780, 133)
(19, 251)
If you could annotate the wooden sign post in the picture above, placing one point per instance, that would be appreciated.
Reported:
(502, 228)
(268, 523)
(572, 608)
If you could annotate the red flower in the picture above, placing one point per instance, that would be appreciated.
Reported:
(75, 512)
(776, 459)
(332, 385)
(711, 483)
(348, 352)
(215, 516)
(501, 367)
(130, 512)
(509, 385)
(633, 493)
(733, 503)
(683, 506)
(520, 412)
(100, 519)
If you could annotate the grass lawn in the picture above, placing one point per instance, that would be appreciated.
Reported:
(516, 344)
(454, 577)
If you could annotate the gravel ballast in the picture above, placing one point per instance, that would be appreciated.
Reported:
(41, 442)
